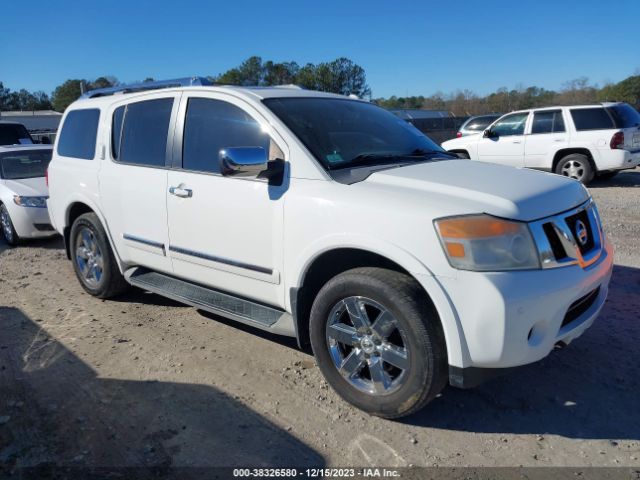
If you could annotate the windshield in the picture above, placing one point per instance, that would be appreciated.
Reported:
(625, 115)
(24, 164)
(14, 134)
(347, 133)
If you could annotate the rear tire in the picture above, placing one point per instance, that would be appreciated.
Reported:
(8, 231)
(576, 166)
(93, 259)
(378, 341)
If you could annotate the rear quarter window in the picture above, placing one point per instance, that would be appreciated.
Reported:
(78, 134)
(596, 118)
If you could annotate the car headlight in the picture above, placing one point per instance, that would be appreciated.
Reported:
(34, 202)
(486, 243)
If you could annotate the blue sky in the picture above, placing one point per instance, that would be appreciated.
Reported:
(406, 47)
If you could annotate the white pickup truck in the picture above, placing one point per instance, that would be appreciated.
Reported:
(331, 220)
(579, 142)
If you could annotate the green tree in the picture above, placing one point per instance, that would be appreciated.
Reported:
(66, 94)
(628, 90)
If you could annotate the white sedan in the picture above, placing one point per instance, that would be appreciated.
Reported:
(23, 192)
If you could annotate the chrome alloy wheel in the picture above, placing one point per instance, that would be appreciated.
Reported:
(573, 169)
(89, 257)
(367, 345)
(5, 222)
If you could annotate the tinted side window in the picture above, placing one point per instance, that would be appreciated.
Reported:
(116, 130)
(511, 125)
(591, 119)
(548, 121)
(212, 125)
(78, 134)
(144, 132)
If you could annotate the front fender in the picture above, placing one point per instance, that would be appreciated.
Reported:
(454, 336)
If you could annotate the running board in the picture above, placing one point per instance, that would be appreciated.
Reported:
(245, 311)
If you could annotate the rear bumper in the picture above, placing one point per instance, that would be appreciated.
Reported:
(618, 160)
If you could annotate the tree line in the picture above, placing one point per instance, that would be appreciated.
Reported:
(345, 77)
(503, 100)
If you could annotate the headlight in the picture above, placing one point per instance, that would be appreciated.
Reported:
(486, 243)
(34, 202)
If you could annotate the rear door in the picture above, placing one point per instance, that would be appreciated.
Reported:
(133, 180)
(547, 134)
(506, 145)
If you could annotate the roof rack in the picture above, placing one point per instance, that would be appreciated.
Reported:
(139, 87)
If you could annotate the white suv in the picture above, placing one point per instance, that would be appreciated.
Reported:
(580, 142)
(331, 220)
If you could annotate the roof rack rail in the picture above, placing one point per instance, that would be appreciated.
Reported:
(140, 87)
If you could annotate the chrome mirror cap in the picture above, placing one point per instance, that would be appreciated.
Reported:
(242, 161)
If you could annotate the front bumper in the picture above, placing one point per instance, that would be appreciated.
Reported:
(510, 319)
(31, 222)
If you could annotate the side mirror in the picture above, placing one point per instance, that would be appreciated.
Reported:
(488, 133)
(242, 161)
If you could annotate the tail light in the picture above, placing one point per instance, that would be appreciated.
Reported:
(46, 177)
(459, 134)
(617, 141)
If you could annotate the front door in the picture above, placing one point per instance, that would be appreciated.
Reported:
(505, 145)
(224, 232)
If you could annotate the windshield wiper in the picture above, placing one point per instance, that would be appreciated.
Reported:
(420, 152)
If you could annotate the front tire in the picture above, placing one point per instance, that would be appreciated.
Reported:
(6, 225)
(463, 155)
(93, 259)
(378, 341)
(576, 166)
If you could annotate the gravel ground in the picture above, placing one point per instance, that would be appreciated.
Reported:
(143, 381)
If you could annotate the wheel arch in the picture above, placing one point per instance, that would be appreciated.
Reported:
(333, 261)
(74, 210)
(563, 152)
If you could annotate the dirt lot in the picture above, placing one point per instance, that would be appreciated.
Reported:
(144, 381)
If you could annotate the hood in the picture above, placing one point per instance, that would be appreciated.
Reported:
(30, 187)
(508, 192)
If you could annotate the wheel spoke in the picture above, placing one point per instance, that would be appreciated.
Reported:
(396, 356)
(86, 239)
(379, 377)
(352, 364)
(343, 333)
(357, 313)
(90, 272)
(384, 324)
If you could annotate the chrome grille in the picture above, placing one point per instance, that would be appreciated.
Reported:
(569, 238)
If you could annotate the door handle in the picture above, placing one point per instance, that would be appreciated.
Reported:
(181, 192)
(559, 140)
(517, 141)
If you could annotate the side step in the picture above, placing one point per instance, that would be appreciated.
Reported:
(245, 311)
